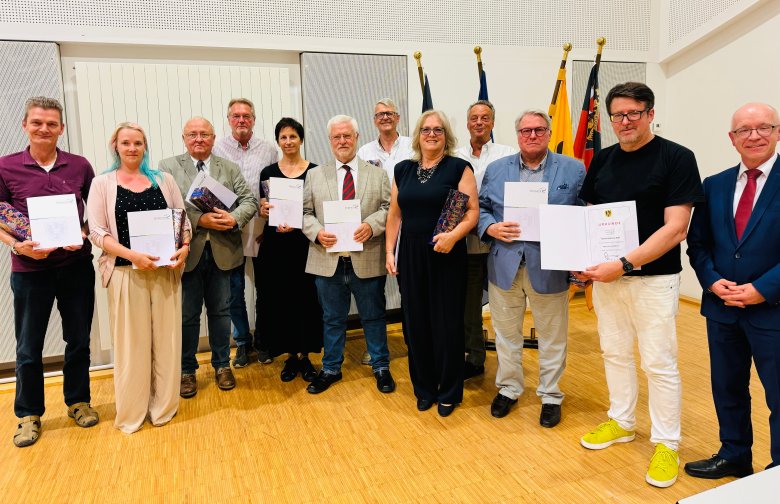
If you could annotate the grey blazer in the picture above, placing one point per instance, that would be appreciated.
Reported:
(373, 191)
(565, 176)
(225, 245)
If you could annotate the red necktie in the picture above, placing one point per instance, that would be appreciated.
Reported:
(348, 191)
(745, 205)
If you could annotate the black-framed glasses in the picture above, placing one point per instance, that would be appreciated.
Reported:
(432, 131)
(632, 115)
(526, 132)
(380, 115)
(764, 130)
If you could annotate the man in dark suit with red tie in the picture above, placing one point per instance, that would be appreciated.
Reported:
(734, 247)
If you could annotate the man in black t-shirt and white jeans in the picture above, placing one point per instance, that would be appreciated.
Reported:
(632, 302)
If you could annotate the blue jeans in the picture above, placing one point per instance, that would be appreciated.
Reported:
(334, 294)
(238, 315)
(34, 293)
(210, 284)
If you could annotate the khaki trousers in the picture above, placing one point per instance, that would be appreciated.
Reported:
(551, 317)
(145, 315)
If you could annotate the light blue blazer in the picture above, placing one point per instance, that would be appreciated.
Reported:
(565, 176)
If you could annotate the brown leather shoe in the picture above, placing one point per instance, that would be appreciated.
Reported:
(189, 386)
(225, 378)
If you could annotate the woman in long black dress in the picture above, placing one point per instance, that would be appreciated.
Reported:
(289, 310)
(432, 278)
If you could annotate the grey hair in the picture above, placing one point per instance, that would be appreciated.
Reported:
(43, 102)
(197, 118)
(387, 102)
(482, 102)
(340, 119)
(534, 112)
(244, 101)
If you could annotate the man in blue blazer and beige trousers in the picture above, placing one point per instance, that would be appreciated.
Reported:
(734, 247)
(514, 268)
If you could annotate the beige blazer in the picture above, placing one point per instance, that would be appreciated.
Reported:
(225, 245)
(102, 219)
(373, 191)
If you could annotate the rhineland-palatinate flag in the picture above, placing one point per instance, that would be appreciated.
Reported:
(427, 102)
(587, 142)
(561, 139)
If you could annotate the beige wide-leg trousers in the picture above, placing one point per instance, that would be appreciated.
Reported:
(145, 315)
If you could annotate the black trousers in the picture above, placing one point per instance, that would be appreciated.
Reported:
(433, 298)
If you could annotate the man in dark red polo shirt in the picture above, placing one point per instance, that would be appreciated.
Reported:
(38, 277)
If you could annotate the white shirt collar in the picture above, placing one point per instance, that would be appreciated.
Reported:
(765, 167)
(206, 162)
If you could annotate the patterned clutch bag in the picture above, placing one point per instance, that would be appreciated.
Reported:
(206, 201)
(14, 222)
(265, 186)
(178, 225)
(452, 213)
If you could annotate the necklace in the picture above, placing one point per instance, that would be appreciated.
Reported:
(425, 174)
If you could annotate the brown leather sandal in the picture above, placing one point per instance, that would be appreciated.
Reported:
(83, 414)
(28, 431)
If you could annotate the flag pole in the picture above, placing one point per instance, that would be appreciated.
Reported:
(554, 103)
(600, 42)
(418, 57)
(478, 52)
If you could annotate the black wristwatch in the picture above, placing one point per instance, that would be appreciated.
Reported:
(627, 266)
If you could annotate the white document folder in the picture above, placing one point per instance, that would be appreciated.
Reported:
(287, 202)
(342, 218)
(574, 237)
(202, 179)
(151, 232)
(54, 221)
(521, 205)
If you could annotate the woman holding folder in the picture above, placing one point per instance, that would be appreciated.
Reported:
(144, 300)
(290, 313)
(431, 268)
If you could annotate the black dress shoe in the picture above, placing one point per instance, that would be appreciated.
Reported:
(290, 370)
(308, 373)
(446, 409)
(471, 371)
(322, 381)
(501, 405)
(551, 415)
(384, 381)
(716, 467)
(424, 404)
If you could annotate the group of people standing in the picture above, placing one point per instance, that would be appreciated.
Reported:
(402, 184)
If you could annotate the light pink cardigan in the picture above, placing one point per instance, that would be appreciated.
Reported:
(102, 221)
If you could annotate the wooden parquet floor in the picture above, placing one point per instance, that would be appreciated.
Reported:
(268, 441)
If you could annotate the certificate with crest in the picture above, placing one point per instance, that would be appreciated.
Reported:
(575, 237)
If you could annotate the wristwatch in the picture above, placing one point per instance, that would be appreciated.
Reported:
(13, 248)
(627, 266)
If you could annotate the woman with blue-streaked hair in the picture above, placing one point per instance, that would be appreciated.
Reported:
(144, 300)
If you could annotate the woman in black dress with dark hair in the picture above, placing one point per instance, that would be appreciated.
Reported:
(431, 278)
(289, 311)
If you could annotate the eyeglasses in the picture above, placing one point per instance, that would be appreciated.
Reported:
(193, 136)
(339, 138)
(432, 131)
(633, 115)
(764, 130)
(526, 132)
(236, 117)
(388, 114)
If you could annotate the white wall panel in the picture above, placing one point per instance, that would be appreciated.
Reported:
(162, 97)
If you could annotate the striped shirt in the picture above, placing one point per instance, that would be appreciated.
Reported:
(258, 155)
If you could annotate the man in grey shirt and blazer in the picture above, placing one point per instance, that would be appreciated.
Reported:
(339, 274)
(514, 268)
(215, 250)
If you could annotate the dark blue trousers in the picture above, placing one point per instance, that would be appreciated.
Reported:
(732, 347)
(73, 287)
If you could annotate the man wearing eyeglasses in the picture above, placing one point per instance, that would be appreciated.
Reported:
(734, 247)
(385, 152)
(358, 273)
(480, 152)
(215, 250)
(632, 303)
(514, 268)
(251, 153)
